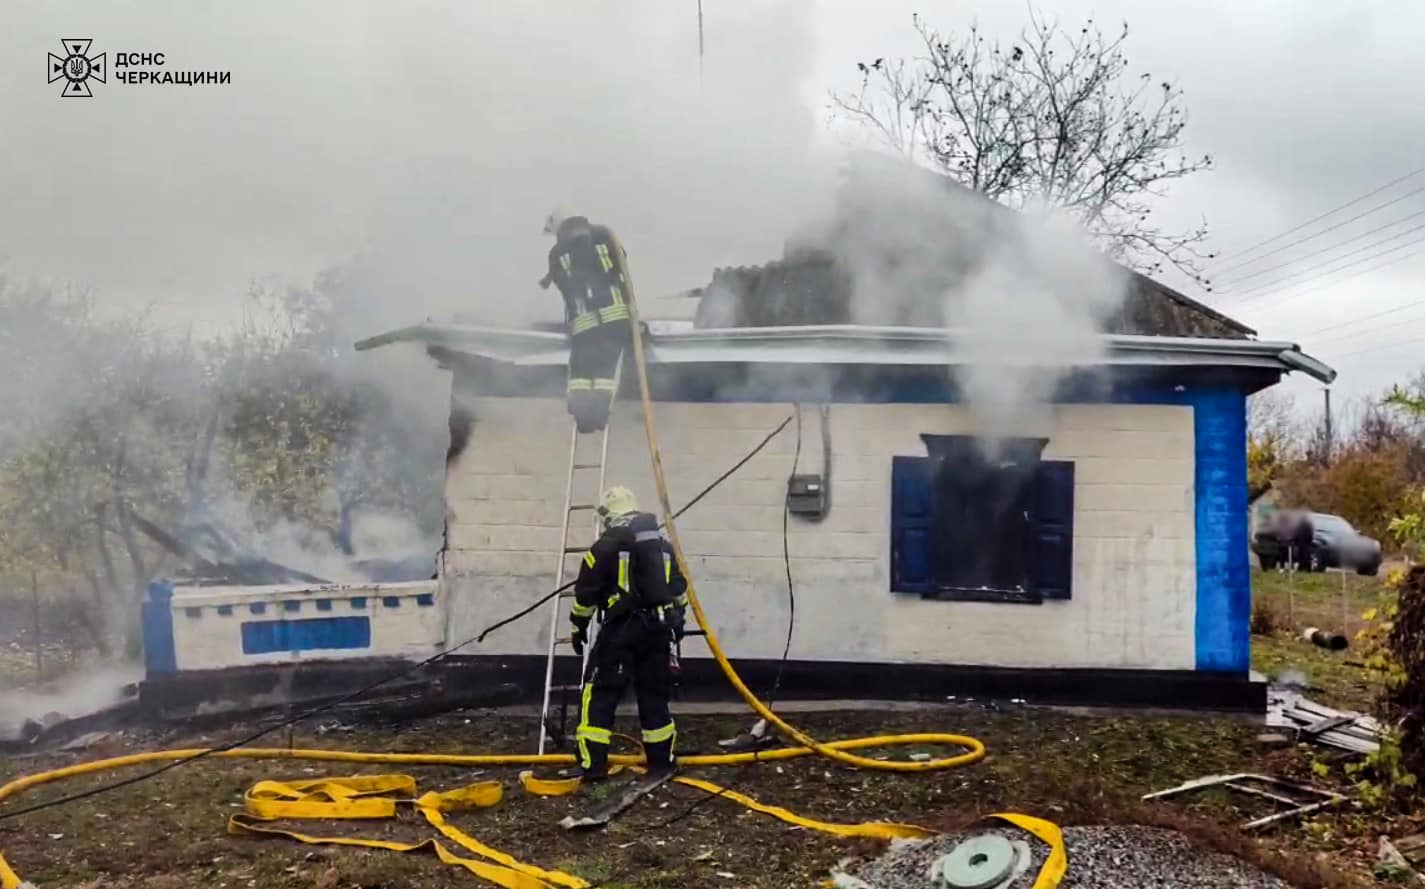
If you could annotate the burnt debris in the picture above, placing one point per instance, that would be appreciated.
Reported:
(212, 557)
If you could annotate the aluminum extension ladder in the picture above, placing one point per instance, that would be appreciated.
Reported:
(580, 468)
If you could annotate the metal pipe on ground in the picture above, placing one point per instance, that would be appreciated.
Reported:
(1333, 641)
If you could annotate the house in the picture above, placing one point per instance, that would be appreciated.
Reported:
(1099, 557)
(1125, 577)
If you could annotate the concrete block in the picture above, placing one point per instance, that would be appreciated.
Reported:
(517, 538)
(515, 512)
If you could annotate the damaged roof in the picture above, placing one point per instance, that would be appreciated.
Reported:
(812, 289)
(902, 238)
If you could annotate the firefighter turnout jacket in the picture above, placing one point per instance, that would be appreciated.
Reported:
(631, 579)
(591, 271)
(630, 569)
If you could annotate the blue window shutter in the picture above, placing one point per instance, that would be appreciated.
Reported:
(913, 513)
(1052, 529)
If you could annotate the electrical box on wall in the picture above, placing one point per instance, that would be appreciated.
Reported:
(806, 496)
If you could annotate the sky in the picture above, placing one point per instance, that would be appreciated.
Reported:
(431, 138)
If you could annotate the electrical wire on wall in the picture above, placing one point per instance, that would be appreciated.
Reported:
(791, 616)
(787, 564)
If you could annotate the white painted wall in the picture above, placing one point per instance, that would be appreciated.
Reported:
(1134, 584)
(209, 640)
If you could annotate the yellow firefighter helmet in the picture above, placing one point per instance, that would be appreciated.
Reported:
(615, 502)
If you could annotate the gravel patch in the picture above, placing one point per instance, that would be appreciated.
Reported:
(1099, 858)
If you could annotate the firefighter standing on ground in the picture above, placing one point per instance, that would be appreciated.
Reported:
(591, 271)
(631, 579)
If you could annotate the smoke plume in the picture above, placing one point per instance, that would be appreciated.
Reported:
(83, 693)
(1022, 295)
(430, 138)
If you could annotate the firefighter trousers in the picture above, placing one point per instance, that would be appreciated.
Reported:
(632, 650)
(593, 362)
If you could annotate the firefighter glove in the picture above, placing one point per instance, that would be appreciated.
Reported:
(677, 623)
(576, 639)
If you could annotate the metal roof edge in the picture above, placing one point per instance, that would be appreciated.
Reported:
(1298, 360)
(434, 333)
(801, 343)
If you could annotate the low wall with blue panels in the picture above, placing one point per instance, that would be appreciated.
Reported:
(208, 628)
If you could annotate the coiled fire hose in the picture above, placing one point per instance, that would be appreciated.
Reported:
(382, 795)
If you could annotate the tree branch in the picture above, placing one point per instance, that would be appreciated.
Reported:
(1052, 118)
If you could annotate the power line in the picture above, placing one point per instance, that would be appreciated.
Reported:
(1332, 228)
(1383, 347)
(1390, 311)
(1263, 289)
(1315, 219)
(1358, 333)
(1290, 292)
(1364, 271)
(1291, 262)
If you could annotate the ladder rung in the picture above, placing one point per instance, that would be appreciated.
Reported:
(575, 550)
(578, 506)
(587, 465)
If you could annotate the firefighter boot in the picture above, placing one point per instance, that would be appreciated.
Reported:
(597, 768)
(660, 756)
(593, 744)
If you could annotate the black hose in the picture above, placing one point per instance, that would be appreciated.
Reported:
(787, 564)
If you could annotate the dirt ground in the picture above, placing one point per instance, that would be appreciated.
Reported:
(169, 833)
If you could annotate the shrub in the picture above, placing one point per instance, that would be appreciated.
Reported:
(1266, 619)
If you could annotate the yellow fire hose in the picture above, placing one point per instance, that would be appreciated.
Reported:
(381, 796)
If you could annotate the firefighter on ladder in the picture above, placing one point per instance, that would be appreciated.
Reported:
(632, 581)
(590, 269)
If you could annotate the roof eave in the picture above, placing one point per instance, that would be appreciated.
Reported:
(831, 344)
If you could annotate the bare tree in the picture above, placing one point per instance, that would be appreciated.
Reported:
(109, 430)
(1273, 417)
(1053, 118)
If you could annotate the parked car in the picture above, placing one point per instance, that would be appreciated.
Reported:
(1334, 544)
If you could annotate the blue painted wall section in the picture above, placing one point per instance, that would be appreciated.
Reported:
(157, 616)
(316, 634)
(1224, 583)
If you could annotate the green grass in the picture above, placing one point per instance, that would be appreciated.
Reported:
(1331, 600)
(1334, 678)
(1294, 602)
(1319, 594)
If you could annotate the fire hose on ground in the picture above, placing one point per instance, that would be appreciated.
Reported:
(382, 796)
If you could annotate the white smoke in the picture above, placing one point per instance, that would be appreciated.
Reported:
(84, 692)
(1031, 313)
(430, 137)
(1023, 295)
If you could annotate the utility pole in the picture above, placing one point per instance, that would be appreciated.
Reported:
(1330, 439)
(700, 44)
